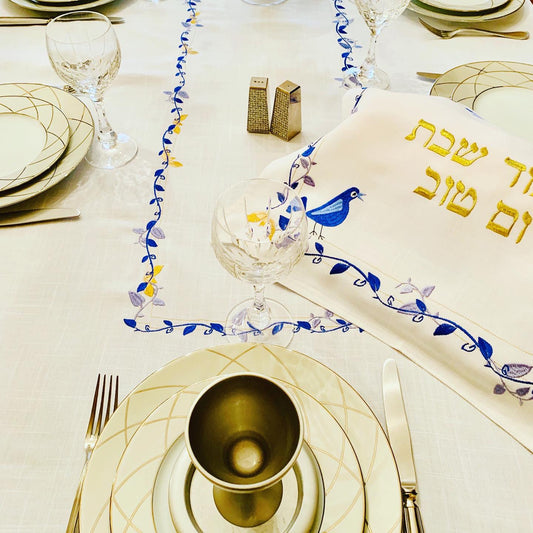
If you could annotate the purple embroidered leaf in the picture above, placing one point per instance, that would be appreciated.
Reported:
(189, 329)
(304, 325)
(158, 301)
(277, 328)
(315, 322)
(421, 305)
(329, 313)
(130, 322)
(408, 308)
(499, 389)
(374, 282)
(136, 299)
(319, 248)
(304, 162)
(522, 391)
(444, 329)
(139, 231)
(515, 370)
(485, 348)
(405, 288)
(426, 291)
(158, 233)
(339, 268)
(308, 180)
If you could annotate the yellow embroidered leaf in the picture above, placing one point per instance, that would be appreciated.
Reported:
(183, 117)
(192, 51)
(175, 163)
(149, 291)
(157, 269)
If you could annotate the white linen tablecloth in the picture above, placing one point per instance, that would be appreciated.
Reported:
(65, 286)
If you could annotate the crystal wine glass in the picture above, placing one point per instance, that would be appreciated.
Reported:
(259, 232)
(85, 53)
(377, 14)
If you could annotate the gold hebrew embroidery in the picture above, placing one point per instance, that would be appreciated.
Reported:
(498, 228)
(461, 158)
(527, 187)
(519, 166)
(425, 192)
(526, 219)
(439, 149)
(422, 124)
(449, 184)
(459, 209)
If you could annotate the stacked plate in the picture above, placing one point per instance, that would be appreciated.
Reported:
(140, 475)
(58, 6)
(467, 11)
(44, 134)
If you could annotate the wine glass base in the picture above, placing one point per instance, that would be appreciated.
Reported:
(278, 330)
(123, 152)
(263, 2)
(375, 78)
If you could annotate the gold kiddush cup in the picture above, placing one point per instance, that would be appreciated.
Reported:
(243, 434)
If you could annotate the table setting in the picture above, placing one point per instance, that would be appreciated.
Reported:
(279, 281)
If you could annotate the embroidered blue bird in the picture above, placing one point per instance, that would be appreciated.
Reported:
(335, 211)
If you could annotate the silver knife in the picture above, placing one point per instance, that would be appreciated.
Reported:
(13, 218)
(32, 21)
(400, 440)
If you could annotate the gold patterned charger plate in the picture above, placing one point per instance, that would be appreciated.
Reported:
(499, 91)
(383, 504)
(81, 127)
(187, 506)
(441, 14)
(33, 135)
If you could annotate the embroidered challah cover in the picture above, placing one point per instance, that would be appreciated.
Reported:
(419, 215)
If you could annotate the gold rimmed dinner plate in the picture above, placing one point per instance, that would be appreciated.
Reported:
(81, 127)
(465, 17)
(499, 91)
(185, 505)
(60, 8)
(33, 135)
(465, 6)
(383, 511)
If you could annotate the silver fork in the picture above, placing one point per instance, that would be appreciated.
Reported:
(448, 34)
(107, 405)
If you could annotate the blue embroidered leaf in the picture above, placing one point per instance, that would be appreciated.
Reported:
(277, 328)
(130, 322)
(339, 268)
(374, 282)
(522, 391)
(444, 329)
(136, 299)
(142, 286)
(281, 197)
(167, 141)
(217, 327)
(304, 325)
(308, 151)
(515, 370)
(158, 233)
(342, 322)
(319, 248)
(158, 301)
(485, 348)
(151, 242)
(421, 305)
(151, 224)
(168, 323)
(145, 258)
(158, 172)
(499, 389)
(189, 329)
(283, 222)
(294, 185)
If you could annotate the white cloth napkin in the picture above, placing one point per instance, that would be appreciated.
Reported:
(422, 214)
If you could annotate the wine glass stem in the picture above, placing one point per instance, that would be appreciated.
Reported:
(106, 135)
(259, 313)
(369, 65)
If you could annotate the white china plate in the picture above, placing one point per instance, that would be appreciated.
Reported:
(465, 6)
(58, 8)
(33, 135)
(81, 133)
(499, 91)
(132, 503)
(382, 485)
(428, 11)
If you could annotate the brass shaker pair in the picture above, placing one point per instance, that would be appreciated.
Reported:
(287, 112)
